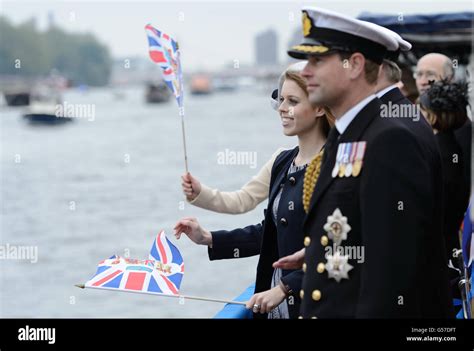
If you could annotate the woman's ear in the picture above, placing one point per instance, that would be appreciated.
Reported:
(319, 111)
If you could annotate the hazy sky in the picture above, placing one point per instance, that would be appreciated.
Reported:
(210, 33)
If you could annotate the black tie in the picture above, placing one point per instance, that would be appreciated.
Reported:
(330, 142)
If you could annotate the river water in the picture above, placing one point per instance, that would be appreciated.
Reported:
(107, 183)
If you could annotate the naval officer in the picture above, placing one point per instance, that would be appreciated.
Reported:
(372, 246)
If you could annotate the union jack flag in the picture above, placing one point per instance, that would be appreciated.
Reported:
(161, 273)
(164, 51)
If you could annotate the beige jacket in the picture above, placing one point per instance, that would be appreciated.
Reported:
(240, 201)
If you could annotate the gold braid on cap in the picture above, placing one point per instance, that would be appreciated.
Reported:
(310, 178)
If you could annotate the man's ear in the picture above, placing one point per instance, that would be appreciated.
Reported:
(357, 65)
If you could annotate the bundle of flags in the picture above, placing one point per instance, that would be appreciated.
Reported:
(161, 273)
(467, 242)
(467, 246)
(164, 51)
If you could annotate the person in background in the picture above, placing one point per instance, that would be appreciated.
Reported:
(431, 68)
(389, 92)
(434, 67)
(445, 108)
(408, 87)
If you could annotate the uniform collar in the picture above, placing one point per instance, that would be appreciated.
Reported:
(346, 119)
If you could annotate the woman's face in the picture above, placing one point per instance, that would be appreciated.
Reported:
(297, 114)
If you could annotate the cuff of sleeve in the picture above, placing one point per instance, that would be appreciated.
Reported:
(286, 288)
(203, 198)
(219, 249)
(293, 281)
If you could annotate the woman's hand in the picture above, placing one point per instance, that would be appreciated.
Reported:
(191, 227)
(266, 301)
(191, 186)
(294, 261)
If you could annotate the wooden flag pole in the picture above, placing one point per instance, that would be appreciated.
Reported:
(181, 113)
(82, 286)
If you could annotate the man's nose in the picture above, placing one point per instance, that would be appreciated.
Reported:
(306, 72)
(423, 80)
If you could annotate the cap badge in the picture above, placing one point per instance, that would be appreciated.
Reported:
(306, 24)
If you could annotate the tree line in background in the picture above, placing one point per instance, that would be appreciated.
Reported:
(26, 51)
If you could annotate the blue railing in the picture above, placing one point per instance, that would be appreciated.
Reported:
(237, 311)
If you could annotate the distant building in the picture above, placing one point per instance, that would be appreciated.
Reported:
(266, 48)
(295, 39)
(51, 20)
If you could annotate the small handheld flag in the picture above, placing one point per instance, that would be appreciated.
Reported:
(160, 275)
(164, 51)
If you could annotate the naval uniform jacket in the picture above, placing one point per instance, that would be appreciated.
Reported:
(418, 125)
(267, 239)
(391, 207)
(423, 132)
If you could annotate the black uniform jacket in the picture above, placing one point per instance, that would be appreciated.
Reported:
(395, 242)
